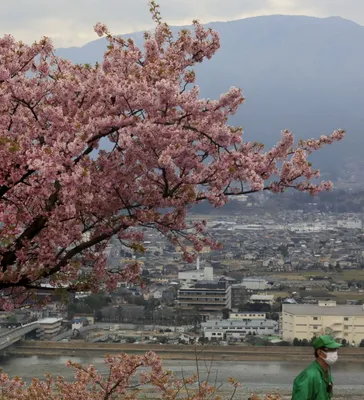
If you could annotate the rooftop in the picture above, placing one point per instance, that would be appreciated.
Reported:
(206, 284)
(49, 320)
(191, 272)
(262, 297)
(308, 309)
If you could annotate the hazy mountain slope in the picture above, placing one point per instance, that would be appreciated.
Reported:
(301, 73)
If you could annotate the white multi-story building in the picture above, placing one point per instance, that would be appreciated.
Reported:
(255, 284)
(246, 315)
(206, 296)
(50, 327)
(302, 227)
(228, 329)
(189, 277)
(304, 321)
(262, 299)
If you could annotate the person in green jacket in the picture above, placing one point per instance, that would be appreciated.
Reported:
(315, 382)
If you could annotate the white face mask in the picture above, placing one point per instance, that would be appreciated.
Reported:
(331, 357)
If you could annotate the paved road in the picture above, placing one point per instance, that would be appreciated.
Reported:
(11, 336)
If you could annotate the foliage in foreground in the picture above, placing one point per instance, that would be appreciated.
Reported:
(129, 378)
(62, 199)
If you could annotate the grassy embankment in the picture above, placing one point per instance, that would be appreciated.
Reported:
(174, 352)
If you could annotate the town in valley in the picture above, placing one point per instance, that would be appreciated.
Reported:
(280, 279)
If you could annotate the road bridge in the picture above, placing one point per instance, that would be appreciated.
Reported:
(12, 336)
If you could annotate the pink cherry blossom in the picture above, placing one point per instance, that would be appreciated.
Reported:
(62, 197)
(128, 377)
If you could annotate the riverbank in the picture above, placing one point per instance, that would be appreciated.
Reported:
(259, 377)
(176, 352)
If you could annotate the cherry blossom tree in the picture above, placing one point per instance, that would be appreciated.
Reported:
(63, 196)
(126, 378)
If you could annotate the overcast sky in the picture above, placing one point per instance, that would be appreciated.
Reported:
(70, 22)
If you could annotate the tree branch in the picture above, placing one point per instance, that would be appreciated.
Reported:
(9, 257)
(84, 246)
(4, 188)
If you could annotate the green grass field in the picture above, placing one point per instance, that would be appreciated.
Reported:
(350, 275)
(291, 276)
(340, 276)
(347, 295)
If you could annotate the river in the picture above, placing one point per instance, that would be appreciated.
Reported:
(255, 375)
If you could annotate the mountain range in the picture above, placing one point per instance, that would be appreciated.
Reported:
(301, 73)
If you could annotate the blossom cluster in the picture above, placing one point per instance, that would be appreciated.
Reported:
(127, 377)
(63, 196)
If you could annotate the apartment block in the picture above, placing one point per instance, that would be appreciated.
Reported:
(206, 296)
(49, 327)
(304, 321)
